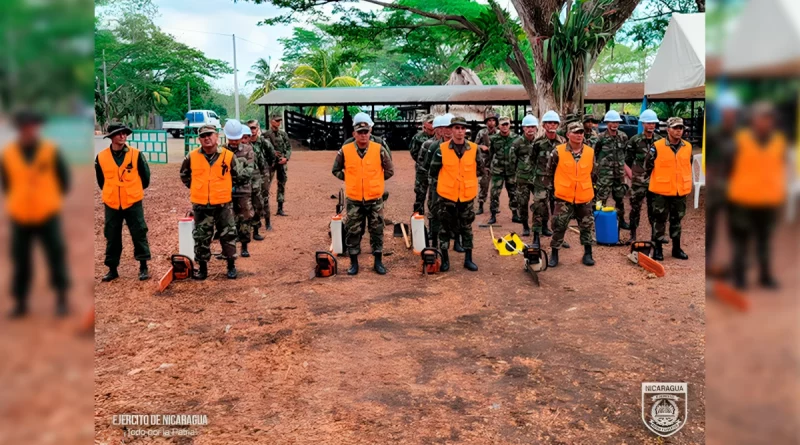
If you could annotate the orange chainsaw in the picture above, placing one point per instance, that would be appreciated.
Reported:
(182, 268)
(640, 254)
(431, 260)
(326, 265)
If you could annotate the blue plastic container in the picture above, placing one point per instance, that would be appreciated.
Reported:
(606, 227)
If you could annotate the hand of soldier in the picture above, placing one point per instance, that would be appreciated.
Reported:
(628, 172)
(283, 161)
(483, 147)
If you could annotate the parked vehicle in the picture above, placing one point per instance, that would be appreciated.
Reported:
(194, 119)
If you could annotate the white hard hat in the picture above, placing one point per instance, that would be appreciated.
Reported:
(551, 116)
(648, 117)
(246, 131)
(530, 121)
(438, 122)
(446, 119)
(233, 129)
(612, 116)
(728, 101)
(362, 117)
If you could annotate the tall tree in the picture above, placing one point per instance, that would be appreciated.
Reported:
(265, 78)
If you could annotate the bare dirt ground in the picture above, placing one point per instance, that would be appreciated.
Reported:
(474, 358)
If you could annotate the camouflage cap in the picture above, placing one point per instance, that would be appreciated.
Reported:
(276, 117)
(589, 118)
(504, 119)
(428, 118)
(674, 122)
(489, 114)
(574, 127)
(361, 126)
(458, 120)
(206, 129)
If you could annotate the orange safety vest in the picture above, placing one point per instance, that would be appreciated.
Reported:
(672, 173)
(35, 194)
(458, 178)
(363, 177)
(211, 184)
(759, 172)
(122, 187)
(573, 180)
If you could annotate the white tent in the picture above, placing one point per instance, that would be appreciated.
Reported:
(766, 38)
(680, 63)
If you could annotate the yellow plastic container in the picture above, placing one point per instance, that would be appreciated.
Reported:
(608, 209)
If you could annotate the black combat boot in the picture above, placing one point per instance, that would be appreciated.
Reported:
(766, 280)
(565, 245)
(445, 261)
(245, 253)
(20, 310)
(480, 209)
(658, 252)
(62, 309)
(378, 266)
(515, 218)
(536, 241)
(493, 219)
(201, 273)
(553, 258)
(353, 270)
(468, 264)
(457, 244)
(111, 275)
(623, 225)
(587, 256)
(257, 236)
(546, 230)
(280, 211)
(268, 224)
(632, 239)
(232, 269)
(526, 230)
(144, 274)
(677, 252)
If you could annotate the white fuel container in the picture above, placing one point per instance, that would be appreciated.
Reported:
(418, 232)
(185, 238)
(336, 235)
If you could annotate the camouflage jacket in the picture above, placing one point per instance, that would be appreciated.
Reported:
(239, 173)
(500, 152)
(482, 138)
(280, 142)
(609, 155)
(591, 139)
(264, 150)
(426, 153)
(247, 157)
(416, 144)
(522, 156)
(635, 151)
(543, 149)
(372, 138)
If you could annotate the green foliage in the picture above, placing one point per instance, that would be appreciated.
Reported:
(265, 78)
(388, 114)
(338, 113)
(650, 19)
(621, 63)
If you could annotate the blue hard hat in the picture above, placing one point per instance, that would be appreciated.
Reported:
(551, 116)
(648, 117)
(612, 116)
(530, 121)
(728, 101)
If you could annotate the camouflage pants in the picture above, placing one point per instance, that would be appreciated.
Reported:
(205, 219)
(497, 187)
(433, 201)
(524, 191)
(639, 193)
(563, 214)
(540, 208)
(667, 207)
(258, 201)
(611, 187)
(243, 210)
(716, 201)
(456, 218)
(484, 179)
(357, 213)
(748, 223)
(266, 182)
(281, 169)
(420, 190)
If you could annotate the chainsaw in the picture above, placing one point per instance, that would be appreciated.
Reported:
(640, 254)
(431, 260)
(326, 265)
(535, 261)
(182, 268)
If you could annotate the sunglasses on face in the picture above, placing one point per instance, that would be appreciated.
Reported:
(254, 128)
(362, 131)
(580, 132)
(205, 135)
(505, 124)
(677, 127)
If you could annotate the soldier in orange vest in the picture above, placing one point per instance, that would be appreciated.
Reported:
(669, 165)
(756, 191)
(364, 166)
(34, 179)
(123, 175)
(570, 175)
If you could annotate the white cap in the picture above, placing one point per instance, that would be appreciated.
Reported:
(648, 117)
(612, 116)
(233, 129)
(246, 131)
(362, 117)
(530, 121)
(438, 122)
(551, 116)
(446, 119)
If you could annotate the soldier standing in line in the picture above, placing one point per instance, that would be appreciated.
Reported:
(211, 172)
(364, 166)
(482, 139)
(590, 128)
(522, 155)
(502, 170)
(123, 175)
(421, 179)
(455, 165)
(420, 162)
(427, 152)
(283, 149)
(570, 172)
(269, 159)
(610, 152)
(543, 148)
(635, 152)
(257, 181)
(669, 165)
(34, 178)
(242, 193)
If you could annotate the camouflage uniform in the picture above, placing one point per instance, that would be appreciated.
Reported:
(207, 216)
(242, 193)
(523, 156)
(609, 153)
(485, 157)
(257, 183)
(429, 184)
(665, 207)
(564, 211)
(591, 138)
(543, 148)
(720, 146)
(456, 218)
(635, 152)
(269, 158)
(421, 178)
(283, 149)
(503, 172)
(360, 211)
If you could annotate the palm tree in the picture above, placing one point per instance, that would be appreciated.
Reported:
(265, 78)
(323, 71)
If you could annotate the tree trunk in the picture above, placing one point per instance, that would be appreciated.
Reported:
(543, 97)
